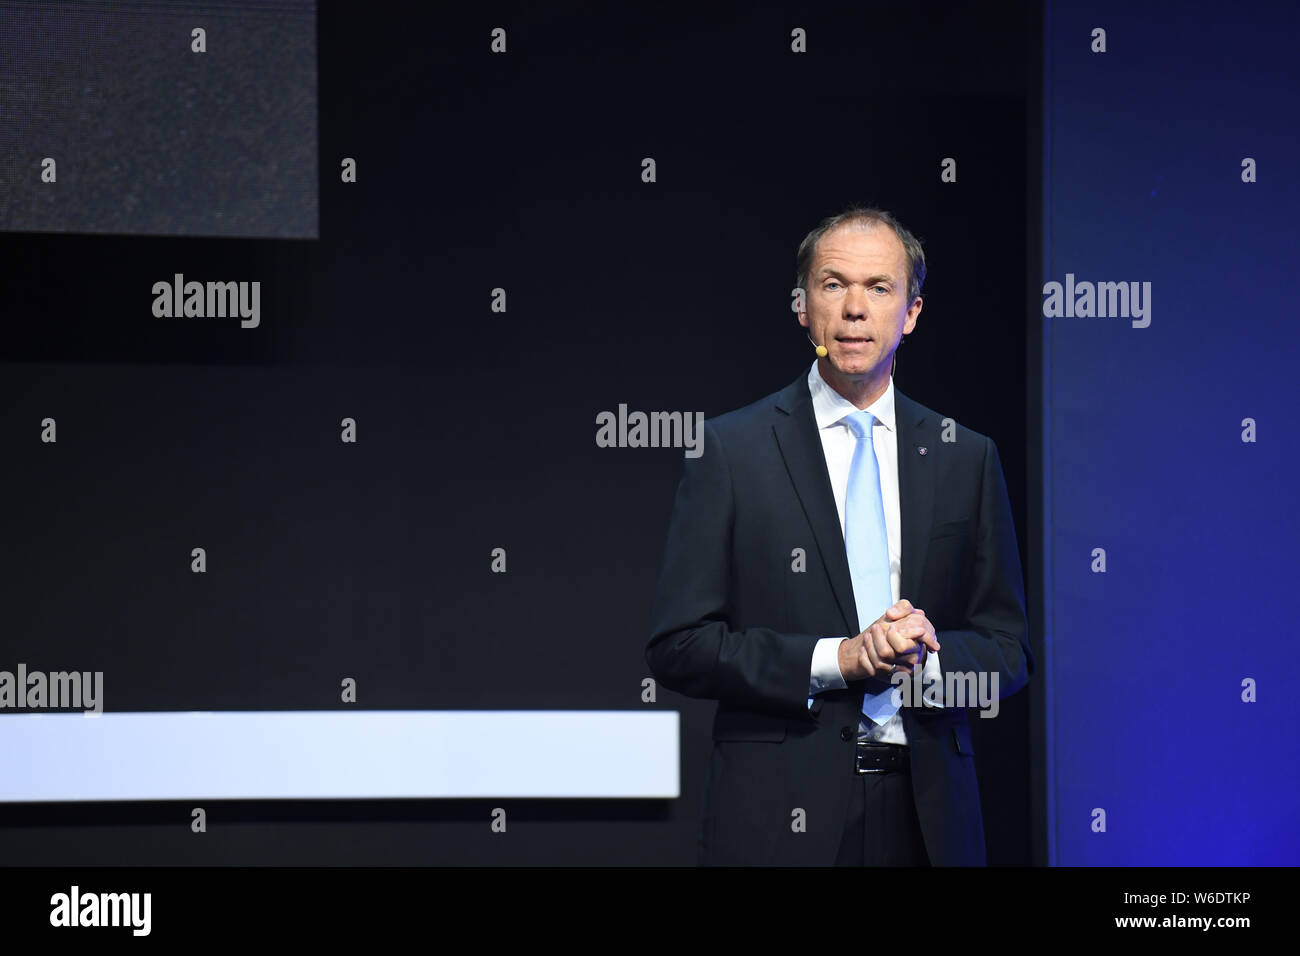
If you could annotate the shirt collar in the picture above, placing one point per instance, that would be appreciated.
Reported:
(830, 407)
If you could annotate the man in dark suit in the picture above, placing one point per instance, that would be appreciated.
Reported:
(836, 544)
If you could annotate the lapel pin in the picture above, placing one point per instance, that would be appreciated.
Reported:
(921, 449)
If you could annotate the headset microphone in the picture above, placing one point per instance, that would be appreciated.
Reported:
(821, 349)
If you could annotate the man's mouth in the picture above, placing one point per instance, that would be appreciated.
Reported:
(850, 339)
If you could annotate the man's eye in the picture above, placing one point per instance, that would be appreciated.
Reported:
(832, 285)
(880, 288)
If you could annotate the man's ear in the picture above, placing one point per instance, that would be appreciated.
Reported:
(800, 299)
(910, 323)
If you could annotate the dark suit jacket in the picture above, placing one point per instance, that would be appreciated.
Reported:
(733, 622)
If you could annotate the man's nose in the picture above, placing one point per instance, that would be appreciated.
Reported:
(855, 303)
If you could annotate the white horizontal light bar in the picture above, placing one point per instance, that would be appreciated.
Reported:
(375, 754)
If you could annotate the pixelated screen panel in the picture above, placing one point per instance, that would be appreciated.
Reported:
(159, 118)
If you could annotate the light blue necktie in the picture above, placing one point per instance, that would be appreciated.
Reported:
(867, 545)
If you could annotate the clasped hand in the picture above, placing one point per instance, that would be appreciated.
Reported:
(898, 639)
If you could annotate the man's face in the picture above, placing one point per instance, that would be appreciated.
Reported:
(857, 301)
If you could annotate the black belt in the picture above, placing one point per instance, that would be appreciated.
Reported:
(881, 758)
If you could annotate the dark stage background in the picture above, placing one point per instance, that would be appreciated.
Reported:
(476, 429)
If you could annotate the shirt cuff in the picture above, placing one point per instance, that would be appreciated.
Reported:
(932, 677)
(826, 667)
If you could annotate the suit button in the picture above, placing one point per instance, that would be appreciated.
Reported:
(846, 733)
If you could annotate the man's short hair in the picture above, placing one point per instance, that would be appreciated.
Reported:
(863, 216)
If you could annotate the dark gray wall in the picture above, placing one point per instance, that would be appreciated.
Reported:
(477, 428)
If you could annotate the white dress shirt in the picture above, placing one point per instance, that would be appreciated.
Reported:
(831, 409)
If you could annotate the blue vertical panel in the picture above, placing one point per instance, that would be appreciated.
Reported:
(1144, 452)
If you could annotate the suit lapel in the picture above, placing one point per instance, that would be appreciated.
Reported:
(916, 483)
(801, 449)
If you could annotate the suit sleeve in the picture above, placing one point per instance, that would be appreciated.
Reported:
(994, 638)
(694, 648)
